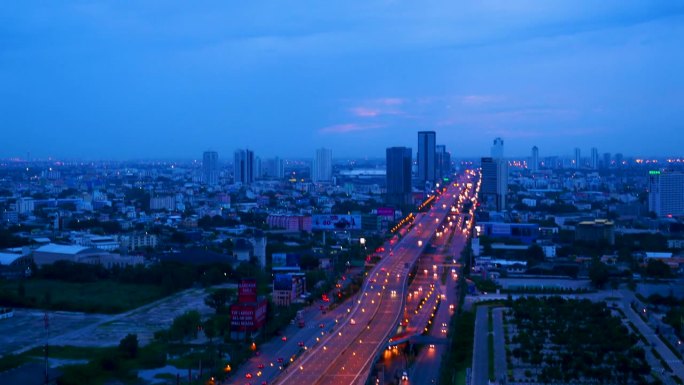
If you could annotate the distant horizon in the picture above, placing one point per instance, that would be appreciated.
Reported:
(335, 158)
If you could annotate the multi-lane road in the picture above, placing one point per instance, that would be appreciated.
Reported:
(345, 355)
(340, 346)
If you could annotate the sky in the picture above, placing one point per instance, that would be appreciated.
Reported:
(171, 79)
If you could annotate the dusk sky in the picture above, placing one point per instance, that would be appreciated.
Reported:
(170, 79)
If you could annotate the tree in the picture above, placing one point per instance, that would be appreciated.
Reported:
(209, 328)
(598, 273)
(217, 300)
(128, 346)
(658, 269)
(535, 255)
(185, 325)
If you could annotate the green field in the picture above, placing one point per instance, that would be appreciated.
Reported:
(104, 296)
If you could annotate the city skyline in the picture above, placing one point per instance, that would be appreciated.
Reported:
(116, 81)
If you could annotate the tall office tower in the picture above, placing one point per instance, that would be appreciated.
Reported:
(398, 163)
(321, 171)
(498, 149)
(578, 160)
(258, 170)
(243, 166)
(606, 160)
(274, 168)
(618, 160)
(210, 168)
(666, 193)
(426, 156)
(534, 166)
(594, 161)
(494, 183)
(442, 161)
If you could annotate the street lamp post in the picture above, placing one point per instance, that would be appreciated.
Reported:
(362, 243)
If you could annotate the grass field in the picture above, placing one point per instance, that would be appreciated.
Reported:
(92, 297)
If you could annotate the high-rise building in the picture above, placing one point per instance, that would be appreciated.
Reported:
(577, 161)
(442, 161)
(498, 149)
(594, 158)
(534, 162)
(494, 183)
(274, 168)
(606, 160)
(618, 160)
(258, 171)
(210, 168)
(666, 193)
(426, 156)
(243, 166)
(321, 171)
(398, 163)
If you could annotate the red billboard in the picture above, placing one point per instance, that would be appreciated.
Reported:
(247, 291)
(247, 317)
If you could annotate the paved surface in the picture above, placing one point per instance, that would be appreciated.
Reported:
(480, 366)
(25, 330)
(499, 345)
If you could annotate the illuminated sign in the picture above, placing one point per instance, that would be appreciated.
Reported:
(336, 222)
(247, 290)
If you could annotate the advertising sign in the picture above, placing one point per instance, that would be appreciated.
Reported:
(285, 260)
(385, 212)
(247, 317)
(247, 291)
(336, 222)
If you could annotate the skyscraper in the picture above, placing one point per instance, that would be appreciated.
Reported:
(494, 183)
(398, 165)
(497, 149)
(534, 162)
(426, 156)
(606, 160)
(243, 166)
(257, 171)
(618, 160)
(274, 168)
(442, 161)
(210, 168)
(321, 171)
(577, 160)
(666, 193)
(594, 158)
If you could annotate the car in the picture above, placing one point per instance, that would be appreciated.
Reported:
(352, 321)
(260, 366)
(404, 376)
(300, 343)
(432, 346)
(284, 338)
(280, 360)
(248, 375)
(321, 326)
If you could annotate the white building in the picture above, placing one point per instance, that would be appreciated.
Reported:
(321, 170)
